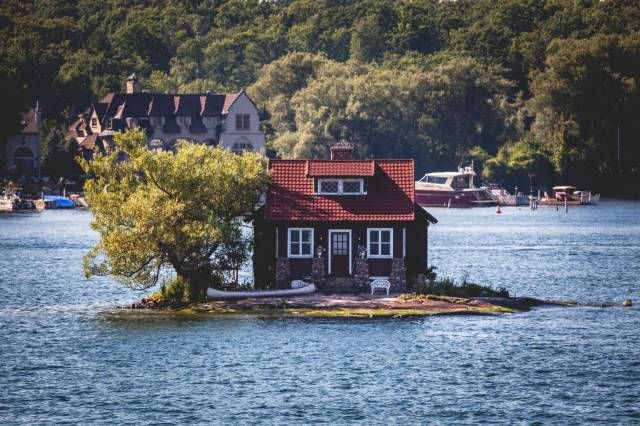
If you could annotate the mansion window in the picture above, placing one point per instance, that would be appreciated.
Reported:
(242, 122)
(184, 121)
(300, 242)
(238, 147)
(157, 122)
(340, 186)
(94, 122)
(380, 242)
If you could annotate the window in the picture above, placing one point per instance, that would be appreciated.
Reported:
(352, 186)
(94, 122)
(300, 242)
(242, 121)
(434, 179)
(329, 186)
(238, 147)
(460, 182)
(184, 121)
(157, 121)
(380, 242)
(341, 186)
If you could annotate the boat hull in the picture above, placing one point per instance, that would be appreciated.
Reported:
(463, 198)
(212, 293)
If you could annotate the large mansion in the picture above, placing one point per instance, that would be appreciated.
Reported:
(227, 120)
(22, 155)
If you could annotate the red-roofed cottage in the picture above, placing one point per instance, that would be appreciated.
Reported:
(340, 222)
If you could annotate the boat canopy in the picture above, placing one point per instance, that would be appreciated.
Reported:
(564, 188)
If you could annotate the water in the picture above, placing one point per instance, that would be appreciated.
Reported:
(66, 358)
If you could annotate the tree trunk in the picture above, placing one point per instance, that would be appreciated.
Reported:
(197, 283)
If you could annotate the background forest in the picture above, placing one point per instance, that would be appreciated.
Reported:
(535, 92)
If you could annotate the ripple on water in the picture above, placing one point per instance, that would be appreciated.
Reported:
(67, 357)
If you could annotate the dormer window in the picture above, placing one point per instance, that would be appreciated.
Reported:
(340, 186)
(242, 122)
(94, 122)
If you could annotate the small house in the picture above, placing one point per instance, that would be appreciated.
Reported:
(339, 223)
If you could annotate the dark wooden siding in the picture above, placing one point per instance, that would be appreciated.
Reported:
(265, 245)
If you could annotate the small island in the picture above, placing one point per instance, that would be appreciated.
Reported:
(347, 306)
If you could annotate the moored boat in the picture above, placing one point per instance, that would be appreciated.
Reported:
(212, 293)
(11, 202)
(504, 198)
(452, 189)
(58, 202)
(569, 195)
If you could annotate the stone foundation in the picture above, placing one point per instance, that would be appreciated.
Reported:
(318, 273)
(361, 274)
(398, 276)
(283, 272)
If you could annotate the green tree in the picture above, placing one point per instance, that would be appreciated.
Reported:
(158, 212)
(59, 155)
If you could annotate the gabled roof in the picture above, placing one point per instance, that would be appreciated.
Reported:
(145, 104)
(89, 142)
(334, 168)
(29, 122)
(100, 108)
(229, 99)
(390, 192)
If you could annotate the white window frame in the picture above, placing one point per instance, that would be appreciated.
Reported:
(94, 122)
(300, 255)
(380, 256)
(241, 123)
(340, 182)
(404, 242)
(348, 231)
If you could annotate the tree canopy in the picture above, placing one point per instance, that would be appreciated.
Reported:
(459, 75)
(162, 215)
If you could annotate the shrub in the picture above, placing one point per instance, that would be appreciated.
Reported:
(448, 287)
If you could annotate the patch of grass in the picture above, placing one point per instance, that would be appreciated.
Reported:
(338, 313)
(429, 284)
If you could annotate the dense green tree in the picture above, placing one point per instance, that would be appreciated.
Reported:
(586, 95)
(164, 214)
(561, 71)
(433, 116)
(59, 155)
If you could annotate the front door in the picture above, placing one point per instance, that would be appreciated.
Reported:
(340, 247)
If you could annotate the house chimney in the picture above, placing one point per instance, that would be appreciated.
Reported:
(341, 150)
(133, 86)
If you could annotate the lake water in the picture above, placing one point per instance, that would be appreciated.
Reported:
(65, 357)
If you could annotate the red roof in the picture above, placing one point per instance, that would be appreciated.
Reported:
(340, 168)
(389, 197)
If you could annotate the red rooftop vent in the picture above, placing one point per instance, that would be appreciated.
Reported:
(342, 150)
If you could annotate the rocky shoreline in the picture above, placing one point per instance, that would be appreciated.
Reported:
(341, 305)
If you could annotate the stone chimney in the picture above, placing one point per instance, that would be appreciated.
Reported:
(133, 86)
(342, 150)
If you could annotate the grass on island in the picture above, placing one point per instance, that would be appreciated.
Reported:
(200, 310)
(429, 284)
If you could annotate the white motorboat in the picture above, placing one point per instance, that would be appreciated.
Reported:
(212, 293)
(452, 189)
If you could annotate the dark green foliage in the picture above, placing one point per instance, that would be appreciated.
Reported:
(59, 155)
(443, 82)
(448, 287)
